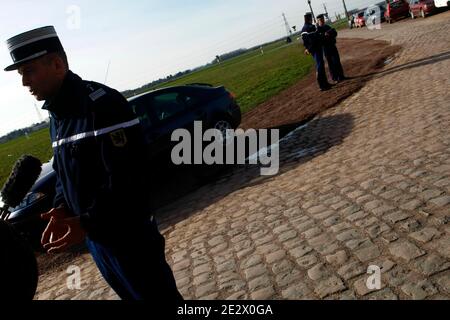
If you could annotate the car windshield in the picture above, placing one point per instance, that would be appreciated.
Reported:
(395, 3)
(22, 204)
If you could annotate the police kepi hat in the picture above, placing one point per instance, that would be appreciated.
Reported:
(320, 16)
(308, 15)
(32, 45)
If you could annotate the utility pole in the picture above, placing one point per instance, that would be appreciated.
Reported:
(326, 12)
(312, 12)
(39, 115)
(345, 8)
(288, 29)
(107, 70)
(286, 24)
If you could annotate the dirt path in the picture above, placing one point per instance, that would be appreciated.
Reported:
(360, 58)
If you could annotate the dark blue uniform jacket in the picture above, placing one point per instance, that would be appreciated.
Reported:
(328, 35)
(99, 157)
(311, 38)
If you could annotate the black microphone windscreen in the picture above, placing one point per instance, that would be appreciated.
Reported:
(18, 266)
(24, 174)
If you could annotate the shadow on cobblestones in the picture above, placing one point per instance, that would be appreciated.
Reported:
(300, 146)
(315, 139)
(410, 65)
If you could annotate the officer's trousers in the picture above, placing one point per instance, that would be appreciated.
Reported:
(320, 69)
(135, 267)
(334, 62)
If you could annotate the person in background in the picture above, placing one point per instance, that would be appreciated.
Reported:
(312, 41)
(329, 35)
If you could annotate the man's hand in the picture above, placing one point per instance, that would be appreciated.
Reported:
(307, 52)
(62, 232)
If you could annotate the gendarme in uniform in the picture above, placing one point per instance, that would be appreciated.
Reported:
(100, 162)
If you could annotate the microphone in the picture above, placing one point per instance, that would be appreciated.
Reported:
(24, 174)
(18, 266)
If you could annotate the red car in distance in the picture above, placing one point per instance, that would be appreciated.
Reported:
(360, 21)
(396, 9)
(421, 8)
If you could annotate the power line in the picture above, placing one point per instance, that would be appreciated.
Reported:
(286, 24)
(187, 59)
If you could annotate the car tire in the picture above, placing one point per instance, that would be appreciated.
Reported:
(223, 124)
(422, 13)
(207, 173)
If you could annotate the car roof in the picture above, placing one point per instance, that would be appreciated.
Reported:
(193, 85)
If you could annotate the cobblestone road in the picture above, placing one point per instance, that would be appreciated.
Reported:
(365, 183)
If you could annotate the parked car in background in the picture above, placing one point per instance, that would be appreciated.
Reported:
(26, 216)
(396, 9)
(360, 20)
(160, 113)
(421, 8)
(442, 3)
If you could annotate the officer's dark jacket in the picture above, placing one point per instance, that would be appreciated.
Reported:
(311, 38)
(99, 157)
(329, 40)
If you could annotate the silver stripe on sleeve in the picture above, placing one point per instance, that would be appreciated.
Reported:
(95, 133)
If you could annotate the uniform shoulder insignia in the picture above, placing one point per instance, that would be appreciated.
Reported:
(119, 138)
(97, 94)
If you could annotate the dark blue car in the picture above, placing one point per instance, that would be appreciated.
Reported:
(160, 113)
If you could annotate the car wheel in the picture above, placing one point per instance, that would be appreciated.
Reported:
(223, 125)
(412, 14)
(422, 14)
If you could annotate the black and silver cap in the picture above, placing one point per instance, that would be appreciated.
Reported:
(31, 45)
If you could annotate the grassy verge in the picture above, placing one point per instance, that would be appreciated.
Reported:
(253, 77)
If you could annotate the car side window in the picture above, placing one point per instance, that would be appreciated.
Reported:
(167, 105)
(140, 108)
(191, 100)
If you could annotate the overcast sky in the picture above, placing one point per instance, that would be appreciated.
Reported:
(140, 40)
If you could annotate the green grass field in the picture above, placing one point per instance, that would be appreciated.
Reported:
(341, 24)
(37, 144)
(253, 77)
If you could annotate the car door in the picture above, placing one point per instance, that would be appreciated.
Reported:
(141, 107)
(417, 7)
(413, 7)
(171, 109)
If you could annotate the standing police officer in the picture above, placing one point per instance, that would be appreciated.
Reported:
(100, 161)
(312, 41)
(328, 35)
